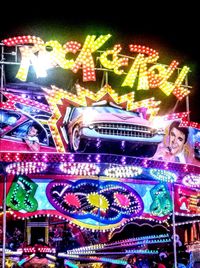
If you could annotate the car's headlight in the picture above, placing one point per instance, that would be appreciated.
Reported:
(160, 131)
(158, 122)
(89, 116)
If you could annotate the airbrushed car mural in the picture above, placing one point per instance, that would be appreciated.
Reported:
(26, 118)
(54, 120)
(16, 125)
(111, 125)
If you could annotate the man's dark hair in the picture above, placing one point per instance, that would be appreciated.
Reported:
(184, 130)
(35, 126)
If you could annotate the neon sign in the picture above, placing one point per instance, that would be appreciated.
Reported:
(144, 68)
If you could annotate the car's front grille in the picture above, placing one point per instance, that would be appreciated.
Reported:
(124, 130)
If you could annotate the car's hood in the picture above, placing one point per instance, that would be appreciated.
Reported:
(117, 118)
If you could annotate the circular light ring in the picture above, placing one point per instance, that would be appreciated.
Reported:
(21, 168)
(82, 169)
(192, 180)
(8, 157)
(163, 175)
(123, 171)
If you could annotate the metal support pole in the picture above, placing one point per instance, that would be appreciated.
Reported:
(2, 66)
(4, 223)
(174, 228)
(106, 78)
(187, 100)
(103, 80)
(188, 107)
(4, 177)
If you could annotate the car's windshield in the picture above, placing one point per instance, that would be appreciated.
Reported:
(8, 118)
(105, 109)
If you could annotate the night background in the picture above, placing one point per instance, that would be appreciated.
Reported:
(170, 29)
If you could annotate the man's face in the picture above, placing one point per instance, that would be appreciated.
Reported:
(32, 132)
(176, 141)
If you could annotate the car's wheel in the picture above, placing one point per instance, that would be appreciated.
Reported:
(75, 139)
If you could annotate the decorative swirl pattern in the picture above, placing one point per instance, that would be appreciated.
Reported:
(106, 202)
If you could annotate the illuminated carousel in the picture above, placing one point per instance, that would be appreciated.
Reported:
(93, 189)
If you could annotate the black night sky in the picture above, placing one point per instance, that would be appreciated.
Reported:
(172, 30)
